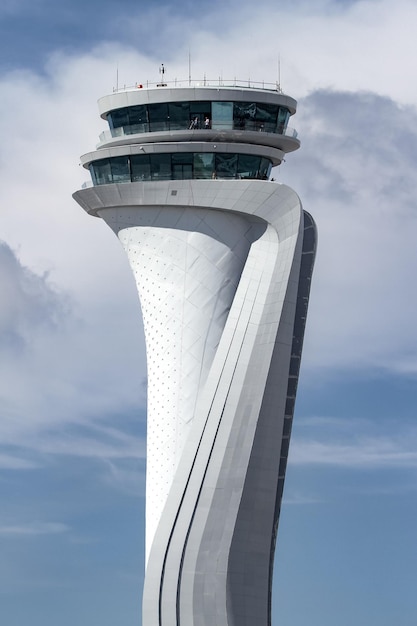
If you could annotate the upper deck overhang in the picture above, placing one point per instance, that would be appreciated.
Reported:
(136, 96)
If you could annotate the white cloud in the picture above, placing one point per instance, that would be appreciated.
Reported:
(84, 358)
(300, 499)
(355, 46)
(363, 454)
(34, 529)
(10, 462)
(355, 443)
(355, 174)
(60, 371)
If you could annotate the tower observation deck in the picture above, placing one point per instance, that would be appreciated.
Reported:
(222, 258)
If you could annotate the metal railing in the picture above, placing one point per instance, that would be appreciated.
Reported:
(204, 82)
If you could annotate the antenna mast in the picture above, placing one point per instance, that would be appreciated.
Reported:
(162, 73)
(279, 74)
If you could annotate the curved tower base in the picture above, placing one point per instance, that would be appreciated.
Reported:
(223, 272)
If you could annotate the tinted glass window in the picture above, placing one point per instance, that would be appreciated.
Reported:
(158, 116)
(199, 112)
(138, 119)
(292, 386)
(200, 107)
(243, 113)
(138, 114)
(182, 157)
(102, 171)
(140, 167)
(160, 166)
(287, 427)
(120, 169)
(222, 115)
(294, 366)
(226, 165)
(266, 116)
(182, 166)
(185, 165)
(265, 168)
(282, 121)
(182, 171)
(119, 117)
(248, 166)
(203, 165)
(93, 174)
(179, 115)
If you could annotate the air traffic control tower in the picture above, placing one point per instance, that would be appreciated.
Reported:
(222, 257)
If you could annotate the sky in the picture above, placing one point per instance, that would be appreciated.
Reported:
(72, 358)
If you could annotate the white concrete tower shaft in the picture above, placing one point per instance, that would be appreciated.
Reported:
(222, 259)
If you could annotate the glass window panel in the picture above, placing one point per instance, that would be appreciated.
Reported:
(187, 170)
(187, 165)
(182, 165)
(203, 165)
(282, 121)
(160, 166)
(266, 117)
(118, 118)
(102, 171)
(243, 114)
(182, 171)
(177, 171)
(140, 167)
(226, 165)
(285, 445)
(289, 406)
(265, 168)
(158, 116)
(199, 112)
(248, 166)
(120, 169)
(222, 115)
(309, 240)
(93, 174)
(287, 427)
(182, 157)
(179, 115)
(294, 366)
(266, 113)
(200, 107)
(292, 386)
(138, 114)
(136, 128)
(138, 120)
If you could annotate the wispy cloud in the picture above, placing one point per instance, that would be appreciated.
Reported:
(125, 446)
(34, 529)
(364, 453)
(300, 499)
(10, 462)
(127, 476)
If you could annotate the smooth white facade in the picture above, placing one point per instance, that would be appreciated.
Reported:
(223, 270)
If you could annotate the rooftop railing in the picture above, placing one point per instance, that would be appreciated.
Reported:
(204, 82)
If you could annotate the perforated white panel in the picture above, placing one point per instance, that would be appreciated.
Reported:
(186, 282)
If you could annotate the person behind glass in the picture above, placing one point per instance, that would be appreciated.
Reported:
(194, 123)
(207, 123)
